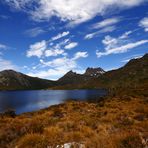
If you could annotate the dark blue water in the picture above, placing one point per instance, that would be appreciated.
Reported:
(26, 101)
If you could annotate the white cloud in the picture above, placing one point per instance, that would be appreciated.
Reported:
(57, 49)
(73, 11)
(34, 32)
(59, 66)
(121, 49)
(80, 54)
(90, 35)
(117, 45)
(54, 52)
(71, 45)
(6, 64)
(64, 62)
(107, 29)
(53, 74)
(107, 25)
(60, 36)
(106, 22)
(37, 49)
(60, 62)
(125, 35)
(56, 68)
(111, 42)
(144, 23)
(2, 46)
(48, 48)
(101, 31)
(19, 4)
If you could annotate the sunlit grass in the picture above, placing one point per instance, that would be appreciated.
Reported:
(114, 122)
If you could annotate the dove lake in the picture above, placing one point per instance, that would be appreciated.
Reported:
(28, 101)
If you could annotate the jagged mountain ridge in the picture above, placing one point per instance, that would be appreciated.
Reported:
(133, 74)
(12, 80)
(94, 72)
(74, 78)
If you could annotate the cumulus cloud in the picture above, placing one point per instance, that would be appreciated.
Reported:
(54, 52)
(48, 48)
(71, 45)
(144, 23)
(60, 35)
(112, 42)
(90, 35)
(37, 49)
(59, 66)
(80, 54)
(53, 74)
(56, 68)
(34, 32)
(60, 62)
(73, 11)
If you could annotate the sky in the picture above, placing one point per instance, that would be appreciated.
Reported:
(48, 38)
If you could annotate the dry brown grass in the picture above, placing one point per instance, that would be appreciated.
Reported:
(113, 123)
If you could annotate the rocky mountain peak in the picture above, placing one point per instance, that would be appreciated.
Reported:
(94, 72)
(71, 72)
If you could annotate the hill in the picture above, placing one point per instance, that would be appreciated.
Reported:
(12, 80)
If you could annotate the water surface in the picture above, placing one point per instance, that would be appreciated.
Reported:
(26, 101)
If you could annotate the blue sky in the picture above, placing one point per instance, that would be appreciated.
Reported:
(47, 38)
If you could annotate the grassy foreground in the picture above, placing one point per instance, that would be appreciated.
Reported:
(118, 122)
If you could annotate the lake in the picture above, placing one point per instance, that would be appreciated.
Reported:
(27, 101)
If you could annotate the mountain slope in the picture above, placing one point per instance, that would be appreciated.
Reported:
(12, 80)
(72, 78)
(133, 74)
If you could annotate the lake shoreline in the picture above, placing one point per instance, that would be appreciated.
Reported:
(115, 118)
(27, 101)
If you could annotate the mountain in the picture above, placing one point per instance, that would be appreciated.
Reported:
(133, 75)
(94, 72)
(12, 80)
(71, 77)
